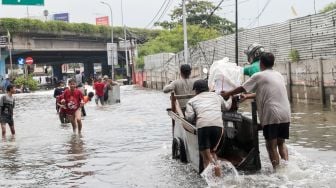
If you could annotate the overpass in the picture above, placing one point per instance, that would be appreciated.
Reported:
(55, 50)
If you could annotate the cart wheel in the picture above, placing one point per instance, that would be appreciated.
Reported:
(175, 149)
(183, 155)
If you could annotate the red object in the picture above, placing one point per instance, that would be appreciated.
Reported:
(99, 88)
(72, 100)
(102, 21)
(29, 61)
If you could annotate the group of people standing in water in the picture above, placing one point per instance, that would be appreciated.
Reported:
(70, 100)
(265, 85)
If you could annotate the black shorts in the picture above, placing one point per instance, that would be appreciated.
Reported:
(208, 137)
(7, 119)
(274, 131)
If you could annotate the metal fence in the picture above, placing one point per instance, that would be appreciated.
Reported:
(313, 36)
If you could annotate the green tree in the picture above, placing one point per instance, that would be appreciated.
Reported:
(199, 14)
(28, 82)
(172, 41)
(329, 7)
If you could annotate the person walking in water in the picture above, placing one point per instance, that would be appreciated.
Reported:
(206, 108)
(272, 105)
(99, 89)
(7, 104)
(73, 101)
(182, 86)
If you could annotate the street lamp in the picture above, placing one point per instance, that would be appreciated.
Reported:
(122, 20)
(102, 2)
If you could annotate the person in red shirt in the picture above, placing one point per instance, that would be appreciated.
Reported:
(73, 101)
(99, 88)
(61, 109)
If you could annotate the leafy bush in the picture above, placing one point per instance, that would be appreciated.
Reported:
(58, 28)
(331, 6)
(294, 55)
(28, 82)
(172, 41)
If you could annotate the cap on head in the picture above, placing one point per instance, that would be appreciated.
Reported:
(201, 86)
(105, 77)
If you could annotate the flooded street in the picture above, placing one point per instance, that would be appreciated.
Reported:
(129, 145)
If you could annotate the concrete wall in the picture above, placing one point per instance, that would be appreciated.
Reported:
(310, 81)
(63, 44)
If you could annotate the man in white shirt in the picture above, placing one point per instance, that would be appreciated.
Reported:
(272, 105)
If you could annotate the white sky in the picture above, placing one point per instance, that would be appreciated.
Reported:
(138, 13)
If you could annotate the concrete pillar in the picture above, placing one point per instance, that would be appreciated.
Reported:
(321, 84)
(57, 71)
(289, 81)
(88, 70)
(105, 68)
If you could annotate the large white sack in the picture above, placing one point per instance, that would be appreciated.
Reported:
(224, 75)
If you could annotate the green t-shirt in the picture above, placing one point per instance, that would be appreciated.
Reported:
(251, 69)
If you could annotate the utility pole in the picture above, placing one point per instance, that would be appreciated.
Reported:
(185, 41)
(236, 32)
(112, 67)
(10, 53)
(125, 39)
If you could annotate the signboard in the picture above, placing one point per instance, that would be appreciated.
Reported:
(102, 21)
(3, 41)
(61, 17)
(23, 2)
(112, 54)
(21, 61)
(29, 61)
(65, 68)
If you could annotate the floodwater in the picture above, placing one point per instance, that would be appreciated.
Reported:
(129, 145)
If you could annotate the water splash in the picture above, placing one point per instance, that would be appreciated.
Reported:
(229, 177)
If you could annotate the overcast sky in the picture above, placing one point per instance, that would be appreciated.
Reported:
(139, 13)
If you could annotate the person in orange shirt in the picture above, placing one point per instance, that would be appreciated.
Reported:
(88, 97)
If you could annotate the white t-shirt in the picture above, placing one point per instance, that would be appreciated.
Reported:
(271, 95)
(207, 108)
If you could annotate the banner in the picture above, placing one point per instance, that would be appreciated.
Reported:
(102, 21)
(61, 17)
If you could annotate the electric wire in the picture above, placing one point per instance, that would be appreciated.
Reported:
(262, 11)
(164, 11)
(156, 15)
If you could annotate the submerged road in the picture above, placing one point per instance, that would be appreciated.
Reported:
(129, 145)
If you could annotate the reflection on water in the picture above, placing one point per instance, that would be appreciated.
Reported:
(313, 126)
(129, 145)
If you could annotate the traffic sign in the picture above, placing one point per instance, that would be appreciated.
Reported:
(21, 61)
(23, 2)
(29, 61)
(112, 53)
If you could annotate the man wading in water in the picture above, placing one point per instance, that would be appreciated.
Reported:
(182, 86)
(73, 101)
(272, 105)
(7, 104)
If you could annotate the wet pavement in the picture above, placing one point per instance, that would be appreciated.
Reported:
(129, 145)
